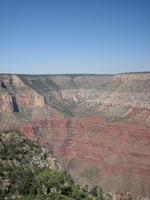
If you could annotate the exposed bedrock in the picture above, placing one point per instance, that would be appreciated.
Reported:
(98, 126)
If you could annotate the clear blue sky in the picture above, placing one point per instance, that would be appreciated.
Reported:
(74, 36)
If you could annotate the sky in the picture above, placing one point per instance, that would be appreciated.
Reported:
(74, 36)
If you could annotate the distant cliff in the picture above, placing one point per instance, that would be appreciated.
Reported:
(98, 126)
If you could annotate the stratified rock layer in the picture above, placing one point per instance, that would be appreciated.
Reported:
(98, 126)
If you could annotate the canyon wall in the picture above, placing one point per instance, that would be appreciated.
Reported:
(98, 126)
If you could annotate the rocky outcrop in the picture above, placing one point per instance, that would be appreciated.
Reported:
(5, 102)
(98, 126)
(15, 94)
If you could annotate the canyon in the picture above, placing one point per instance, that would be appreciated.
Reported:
(97, 126)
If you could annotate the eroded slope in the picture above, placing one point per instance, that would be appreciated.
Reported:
(98, 126)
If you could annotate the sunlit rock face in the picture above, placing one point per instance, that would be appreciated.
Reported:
(98, 126)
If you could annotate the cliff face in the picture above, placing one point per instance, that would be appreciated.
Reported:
(98, 126)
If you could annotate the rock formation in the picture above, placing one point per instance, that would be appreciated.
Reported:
(98, 126)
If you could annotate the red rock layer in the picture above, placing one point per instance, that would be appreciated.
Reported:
(118, 152)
